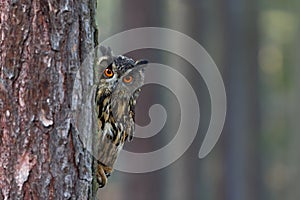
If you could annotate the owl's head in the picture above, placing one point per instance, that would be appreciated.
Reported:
(122, 76)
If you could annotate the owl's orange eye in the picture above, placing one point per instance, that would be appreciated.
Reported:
(127, 79)
(108, 73)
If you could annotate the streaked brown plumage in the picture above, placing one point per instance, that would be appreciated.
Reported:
(115, 99)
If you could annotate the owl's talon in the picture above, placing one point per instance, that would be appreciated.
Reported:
(101, 176)
(100, 182)
(101, 185)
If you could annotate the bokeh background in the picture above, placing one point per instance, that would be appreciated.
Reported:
(256, 48)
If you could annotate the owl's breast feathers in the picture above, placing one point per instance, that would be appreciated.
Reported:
(115, 116)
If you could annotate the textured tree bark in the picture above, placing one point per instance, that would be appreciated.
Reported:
(42, 44)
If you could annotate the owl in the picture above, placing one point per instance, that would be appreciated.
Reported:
(117, 90)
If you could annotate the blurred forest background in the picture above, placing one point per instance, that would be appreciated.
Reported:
(256, 47)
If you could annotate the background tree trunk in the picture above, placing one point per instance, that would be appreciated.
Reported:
(147, 183)
(42, 44)
(242, 163)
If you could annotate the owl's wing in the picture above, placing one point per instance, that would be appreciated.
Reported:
(131, 125)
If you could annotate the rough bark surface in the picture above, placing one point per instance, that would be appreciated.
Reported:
(42, 44)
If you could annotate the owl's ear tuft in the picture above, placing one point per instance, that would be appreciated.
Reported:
(106, 57)
(106, 51)
(141, 62)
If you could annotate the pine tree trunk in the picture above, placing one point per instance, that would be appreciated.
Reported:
(42, 44)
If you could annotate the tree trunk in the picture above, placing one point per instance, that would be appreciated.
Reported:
(242, 164)
(42, 46)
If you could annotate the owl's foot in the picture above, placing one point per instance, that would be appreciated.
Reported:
(103, 172)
